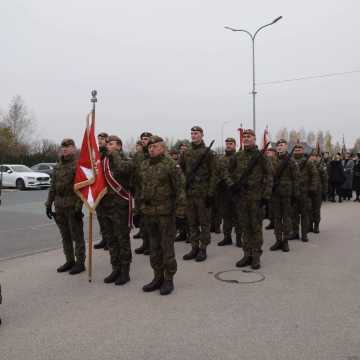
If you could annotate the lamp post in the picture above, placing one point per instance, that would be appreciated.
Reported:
(252, 37)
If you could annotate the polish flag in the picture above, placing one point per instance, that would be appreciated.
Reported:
(266, 137)
(241, 132)
(90, 183)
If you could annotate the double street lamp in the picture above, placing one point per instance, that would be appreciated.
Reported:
(252, 37)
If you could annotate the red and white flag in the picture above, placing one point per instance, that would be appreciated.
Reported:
(241, 132)
(90, 183)
(266, 137)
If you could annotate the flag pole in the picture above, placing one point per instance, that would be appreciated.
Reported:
(93, 100)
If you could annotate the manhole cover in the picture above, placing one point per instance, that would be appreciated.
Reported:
(238, 276)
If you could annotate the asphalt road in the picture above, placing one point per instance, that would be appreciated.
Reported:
(305, 308)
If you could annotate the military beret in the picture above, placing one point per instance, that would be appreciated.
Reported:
(67, 142)
(145, 134)
(249, 132)
(197, 128)
(230, 140)
(114, 138)
(281, 141)
(155, 139)
(103, 135)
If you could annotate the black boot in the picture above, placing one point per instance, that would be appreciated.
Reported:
(191, 254)
(112, 277)
(78, 268)
(316, 228)
(201, 255)
(304, 238)
(155, 284)
(167, 287)
(138, 235)
(276, 246)
(124, 275)
(255, 261)
(181, 237)
(100, 245)
(270, 226)
(244, 261)
(226, 241)
(66, 267)
(285, 246)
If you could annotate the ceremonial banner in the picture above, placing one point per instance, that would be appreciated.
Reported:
(266, 138)
(241, 132)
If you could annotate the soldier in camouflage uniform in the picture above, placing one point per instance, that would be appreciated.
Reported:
(308, 184)
(200, 196)
(162, 197)
(68, 209)
(139, 158)
(286, 188)
(269, 214)
(320, 193)
(251, 198)
(103, 244)
(230, 218)
(216, 209)
(116, 207)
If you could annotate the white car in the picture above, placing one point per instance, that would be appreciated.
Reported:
(22, 177)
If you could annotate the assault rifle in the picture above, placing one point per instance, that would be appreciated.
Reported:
(284, 165)
(191, 178)
(242, 184)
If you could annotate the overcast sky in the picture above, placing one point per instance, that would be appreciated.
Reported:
(163, 65)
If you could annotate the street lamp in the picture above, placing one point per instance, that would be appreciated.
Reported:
(252, 37)
(222, 134)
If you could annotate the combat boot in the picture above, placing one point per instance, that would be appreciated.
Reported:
(191, 254)
(304, 238)
(112, 277)
(276, 246)
(77, 268)
(66, 267)
(155, 284)
(226, 241)
(316, 228)
(285, 246)
(270, 226)
(124, 276)
(138, 235)
(100, 245)
(255, 262)
(167, 287)
(244, 261)
(201, 255)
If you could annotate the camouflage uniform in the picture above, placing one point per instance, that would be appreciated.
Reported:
(198, 196)
(229, 205)
(115, 213)
(317, 196)
(250, 200)
(216, 210)
(68, 209)
(287, 189)
(162, 196)
(301, 209)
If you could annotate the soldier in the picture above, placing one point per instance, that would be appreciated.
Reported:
(271, 154)
(103, 244)
(138, 159)
(68, 209)
(286, 188)
(307, 186)
(230, 218)
(317, 196)
(200, 194)
(216, 211)
(116, 208)
(253, 194)
(174, 155)
(162, 198)
(183, 147)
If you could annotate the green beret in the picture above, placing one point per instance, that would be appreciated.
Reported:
(230, 140)
(197, 128)
(155, 139)
(114, 138)
(67, 142)
(249, 132)
(281, 141)
(145, 134)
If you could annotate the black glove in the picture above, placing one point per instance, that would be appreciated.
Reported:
(209, 201)
(136, 220)
(49, 212)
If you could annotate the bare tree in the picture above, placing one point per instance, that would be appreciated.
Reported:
(320, 139)
(311, 138)
(357, 146)
(328, 142)
(282, 134)
(293, 137)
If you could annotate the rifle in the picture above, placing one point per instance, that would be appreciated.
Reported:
(242, 183)
(196, 167)
(283, 167)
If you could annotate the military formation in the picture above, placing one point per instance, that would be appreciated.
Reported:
(184, 195)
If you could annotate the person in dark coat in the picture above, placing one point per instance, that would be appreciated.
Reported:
(336, 177)
(347, 186)
(356, 178)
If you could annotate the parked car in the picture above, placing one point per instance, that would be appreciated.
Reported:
(46, 168)
(22, 177)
